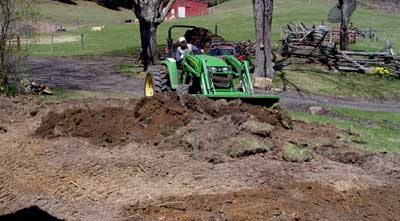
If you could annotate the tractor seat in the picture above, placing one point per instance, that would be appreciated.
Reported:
(192, 64)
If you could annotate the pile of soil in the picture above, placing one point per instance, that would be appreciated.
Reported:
(151, 119)
(110, 125)
(208, 130)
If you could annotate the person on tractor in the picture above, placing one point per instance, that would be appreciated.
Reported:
(185, 48)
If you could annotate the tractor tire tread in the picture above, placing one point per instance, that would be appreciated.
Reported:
(160, 76)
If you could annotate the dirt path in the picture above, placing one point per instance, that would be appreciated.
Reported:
(291, 100)
(99, 73)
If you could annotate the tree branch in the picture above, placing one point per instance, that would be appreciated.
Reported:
(165, 11)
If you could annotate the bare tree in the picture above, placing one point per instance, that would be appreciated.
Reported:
(151, 13)
(16, 22)
(263, 23)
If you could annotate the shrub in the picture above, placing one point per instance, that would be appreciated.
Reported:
(381, 71)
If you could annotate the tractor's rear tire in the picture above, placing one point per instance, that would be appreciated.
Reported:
(157, 81)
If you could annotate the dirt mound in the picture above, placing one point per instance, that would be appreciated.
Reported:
(274, 116)
(160, 115)
(218, 140)
(110, 126)
(102, 126)
(151, 119)
(293, 201)
(208, 130)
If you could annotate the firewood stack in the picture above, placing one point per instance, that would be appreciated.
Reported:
(202, 38)
(248, 48)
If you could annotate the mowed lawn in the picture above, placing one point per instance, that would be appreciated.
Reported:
(83, 13)
(234, 19)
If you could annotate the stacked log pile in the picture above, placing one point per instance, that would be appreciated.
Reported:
(315, 42)
(205, 39)
(248, 48)
(202, 38)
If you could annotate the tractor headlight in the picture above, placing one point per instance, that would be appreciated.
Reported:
(225, 70)
(212, 69)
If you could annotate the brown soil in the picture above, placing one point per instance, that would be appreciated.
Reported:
(187, 158)
(103, 126)
(150, 117)
(288, 201)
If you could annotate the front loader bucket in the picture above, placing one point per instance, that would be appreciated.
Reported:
(261, 100)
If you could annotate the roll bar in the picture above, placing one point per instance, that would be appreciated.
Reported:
(170, 42)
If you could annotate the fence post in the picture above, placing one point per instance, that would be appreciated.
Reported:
(216, 29)
(52, 42)
(82, 46)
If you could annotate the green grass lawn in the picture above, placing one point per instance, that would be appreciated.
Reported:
(234, 19)
(317, 80)
(84, 13)
(381, 135)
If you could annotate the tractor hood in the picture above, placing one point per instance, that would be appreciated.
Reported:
(212, 61)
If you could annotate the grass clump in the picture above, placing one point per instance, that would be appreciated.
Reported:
(298, 154)
(242, 147)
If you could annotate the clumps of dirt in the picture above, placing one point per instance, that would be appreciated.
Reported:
(309, 140)
(159, 117)
(342, 153)
(224, 131)
(110, 126)
(274, 116)
(212, 131)
(217, 140)
(106, 126)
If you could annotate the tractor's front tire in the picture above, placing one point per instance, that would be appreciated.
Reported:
(157, 81)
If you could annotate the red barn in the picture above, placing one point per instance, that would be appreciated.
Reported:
(188, 8)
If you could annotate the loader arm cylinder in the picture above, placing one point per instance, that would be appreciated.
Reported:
(249, 83)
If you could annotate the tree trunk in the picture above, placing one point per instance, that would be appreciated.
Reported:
(148, 34)
(150, 13)
(344, 32)
(263, 23)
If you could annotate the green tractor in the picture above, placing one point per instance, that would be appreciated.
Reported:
(204, 75)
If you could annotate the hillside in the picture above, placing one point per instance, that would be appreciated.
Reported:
(83, 13)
